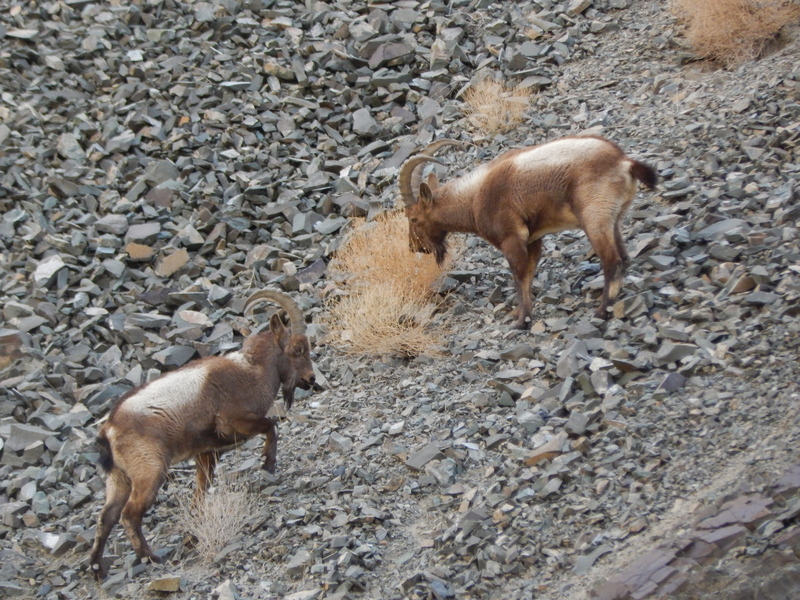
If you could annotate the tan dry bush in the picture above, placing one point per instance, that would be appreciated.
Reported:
(378, 252)
(493, 107)
(382, 320)
(731, 32)
(387, 303)
(220, 517)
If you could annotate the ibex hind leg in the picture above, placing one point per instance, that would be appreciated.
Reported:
(621, 249)
(143, 494)
(118, 489)
(522, 260)
(605, 243)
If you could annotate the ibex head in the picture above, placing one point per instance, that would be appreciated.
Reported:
(423, 233)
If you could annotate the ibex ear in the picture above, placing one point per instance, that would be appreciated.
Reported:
(425, 195)
(280, 331)
(433, 181)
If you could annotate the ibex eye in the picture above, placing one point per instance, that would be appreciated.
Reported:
(414, 220)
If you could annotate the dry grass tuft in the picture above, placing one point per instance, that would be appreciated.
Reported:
(730, 32)
(220, 517)
(377, 253)
(493, 107)
(384, 320)
(387, 302)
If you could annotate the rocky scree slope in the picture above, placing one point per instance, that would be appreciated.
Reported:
(160, 159)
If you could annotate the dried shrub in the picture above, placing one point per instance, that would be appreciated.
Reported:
(378, 253)
(731, 32)
(493, 107)
(386, 302)
(220, 517)
(384, 320)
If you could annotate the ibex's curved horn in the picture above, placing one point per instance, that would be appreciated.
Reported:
(439, 144)
(286, 303)
(406, 176)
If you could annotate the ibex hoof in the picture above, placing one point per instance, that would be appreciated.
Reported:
(602, 313)
(522, 322)
(99, 571)
(153, 558)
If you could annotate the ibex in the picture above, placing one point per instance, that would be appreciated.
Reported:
(198, 411)
(513, 201)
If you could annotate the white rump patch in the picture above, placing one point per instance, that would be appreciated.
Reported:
(173, 392)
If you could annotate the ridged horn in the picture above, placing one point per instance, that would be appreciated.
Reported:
(285, 301)
(406, 176)
(439, 144)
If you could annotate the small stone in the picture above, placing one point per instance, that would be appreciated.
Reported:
(68, 147)
(742, 284)
(21, 436)
(672, 382)
(726, 537)
(204, 12)
(576, 425)
(719, 229)
(168, 265)
(444, 471)
(138, 252)
(174, 356)
(576, 7)
(160, 171)
(116, 224)
(298, 563)
(741, 105)
(190, 238)
(517, 352)
(423, 456)
(195, 317)
(304, 595)
(339, 443)
(143, 233)
(661, 263)
(330, 225)
(584, 563)
(761, 298)
(47, 270)
(670, 352)
(304, 222)
(165, 584)
(547, 451)
(363, 123)
(219, 295)
(601, 381)
(147, 320)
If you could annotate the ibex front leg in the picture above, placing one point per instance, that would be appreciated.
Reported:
(243, 427)
(270, 452)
